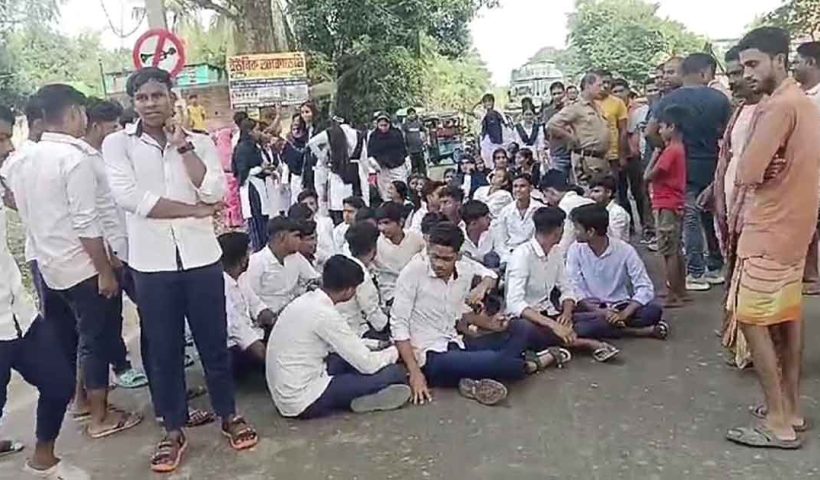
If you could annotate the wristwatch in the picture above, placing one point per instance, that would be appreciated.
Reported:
(188, 147)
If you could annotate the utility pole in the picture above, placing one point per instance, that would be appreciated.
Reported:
(156, 13)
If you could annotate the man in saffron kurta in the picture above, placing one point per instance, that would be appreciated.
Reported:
(781, 162)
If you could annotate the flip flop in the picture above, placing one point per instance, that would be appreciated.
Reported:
(195, 392)
(761, 437)
(605, 353)
(127, 421)
(11, 447)
(559, 355)
(131, 378)
(246, 437)
(759, 411)
(486, 391)
(163, 450)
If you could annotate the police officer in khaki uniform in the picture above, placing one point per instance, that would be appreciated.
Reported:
(583, 126)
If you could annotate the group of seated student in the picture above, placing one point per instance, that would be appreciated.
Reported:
(442, 294)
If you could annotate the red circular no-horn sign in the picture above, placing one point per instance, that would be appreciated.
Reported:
(159, 48)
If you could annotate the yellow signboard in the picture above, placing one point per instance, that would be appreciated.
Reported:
(268, 66)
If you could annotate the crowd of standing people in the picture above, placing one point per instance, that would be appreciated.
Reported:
(349, 280)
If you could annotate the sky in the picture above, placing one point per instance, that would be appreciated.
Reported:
(505, 36)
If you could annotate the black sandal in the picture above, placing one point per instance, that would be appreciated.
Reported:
(243, 438)
(163, 460)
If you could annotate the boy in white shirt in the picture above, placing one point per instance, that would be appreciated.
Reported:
(558, 193)
(431, 299)
(249, 320)
(350, 206)
(514, 225)
(363, 312)
(279, 273)
(25, 340)
(602, 191)
(317, 365)
(395, 248)
(479, 240)
(324, 226)
(55, 190)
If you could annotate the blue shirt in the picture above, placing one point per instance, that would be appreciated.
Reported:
(709, 112)
(607, 278)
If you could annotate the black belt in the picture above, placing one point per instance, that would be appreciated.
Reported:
(589, 153)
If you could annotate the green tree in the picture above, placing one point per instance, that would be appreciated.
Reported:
(454, 84)
(373, 50)
(800, 17)
(625, 36)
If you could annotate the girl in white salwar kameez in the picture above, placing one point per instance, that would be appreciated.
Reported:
(341, 167)
(530, 134)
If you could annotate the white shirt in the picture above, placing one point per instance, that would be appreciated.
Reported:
(618, 221)
(326, 181)
(242, 307)
(426, 308)
(16, 306)
(55, 191)
(112, 218)
(339, 242)
(392, 258)
(324, 239)
(486, 244)
(495, 201)
(568, 203)
(6, 172)
(514, 229)
(532, 274)
(276, 284)
(417, 217)
(140, 172)
(307, 331)
(364, 309)
(607, 278)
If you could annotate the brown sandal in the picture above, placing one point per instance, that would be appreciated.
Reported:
(164, 460)
(127, 421)
(240, 438)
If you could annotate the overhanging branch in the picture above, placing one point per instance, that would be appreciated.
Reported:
(220, 9)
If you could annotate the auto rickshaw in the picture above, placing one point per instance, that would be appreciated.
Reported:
(446, 136)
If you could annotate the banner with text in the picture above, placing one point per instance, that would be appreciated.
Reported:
(265, 79)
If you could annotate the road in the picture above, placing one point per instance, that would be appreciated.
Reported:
(660, 412)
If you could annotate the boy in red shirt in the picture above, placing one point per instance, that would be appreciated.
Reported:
(667, 176)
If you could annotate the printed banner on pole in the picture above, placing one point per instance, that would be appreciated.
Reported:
(266, 79)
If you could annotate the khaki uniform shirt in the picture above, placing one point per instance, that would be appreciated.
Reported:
(782, 216)
(587, 122)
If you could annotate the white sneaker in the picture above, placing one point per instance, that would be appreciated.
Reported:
(61, 471)
(714, 278)
(697, 284)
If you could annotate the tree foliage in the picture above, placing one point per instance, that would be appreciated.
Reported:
(625, 36)
(374, 50)
(800, 17)
(454, 84)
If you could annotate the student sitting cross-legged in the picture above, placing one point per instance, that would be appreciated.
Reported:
(279, 273)
(316, 364)
(535, 271)
(430, 298)
(248, 318)
(363, 312)
(479, 240)
(602, 269)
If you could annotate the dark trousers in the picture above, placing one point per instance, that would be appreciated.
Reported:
(243, 363)
(347, 384)
(631, 178)
(496, 356)
(84, 328)
(417, 163)
(258, 223)
(35, 355)
(594, 325)
(166, 299)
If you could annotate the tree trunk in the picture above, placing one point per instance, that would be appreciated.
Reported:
(256, 26)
